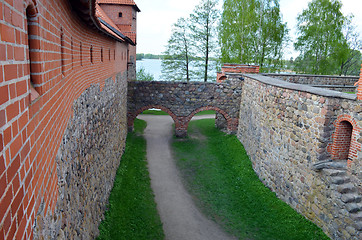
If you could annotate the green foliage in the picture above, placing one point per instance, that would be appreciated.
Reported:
(179, 53)
(132, 212)
(327, 41)
(252, 32)
(154, 112)
(219, 174)
(192, 45)
(204, 20)
(143, 75)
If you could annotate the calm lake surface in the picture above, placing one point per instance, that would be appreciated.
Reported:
(153, 66)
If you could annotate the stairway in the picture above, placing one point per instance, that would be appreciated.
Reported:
(351, 200)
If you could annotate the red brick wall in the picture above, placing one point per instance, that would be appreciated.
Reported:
(31, 131)
(235, 68)
(345, 145)
(127, 23)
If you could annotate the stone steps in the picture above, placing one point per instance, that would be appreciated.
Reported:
(346, 188)
(337, 175)
(357, 216)
(334, 172)
(351, 198)
(338, 180)
(353, 207)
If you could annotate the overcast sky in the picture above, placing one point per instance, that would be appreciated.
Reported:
(157, 16)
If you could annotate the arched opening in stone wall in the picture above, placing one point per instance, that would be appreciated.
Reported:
(222, 120)
(345, 144)
(342, 140)
(150, 110)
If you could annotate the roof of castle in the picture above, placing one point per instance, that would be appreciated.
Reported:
(122, 2)
(92, 14)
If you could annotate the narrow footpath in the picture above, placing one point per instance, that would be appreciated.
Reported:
(180, 217)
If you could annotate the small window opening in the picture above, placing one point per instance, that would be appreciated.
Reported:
(114, 54)
(91, 53)
(71, 49)
(80, 54)
(102, 54)
(32, 48)
(120, 14)
(62, 50)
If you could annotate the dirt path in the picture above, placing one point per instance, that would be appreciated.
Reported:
(179, 215)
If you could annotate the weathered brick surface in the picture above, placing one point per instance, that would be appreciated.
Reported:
(183, 100)
(286, 128)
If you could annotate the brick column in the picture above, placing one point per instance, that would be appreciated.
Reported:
(359, 89)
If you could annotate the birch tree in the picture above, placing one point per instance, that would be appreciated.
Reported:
(176, 65)
(203, 22)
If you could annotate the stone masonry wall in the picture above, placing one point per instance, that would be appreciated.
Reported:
(183, 100)
(315, 79)
(87, 161)
(287, 128)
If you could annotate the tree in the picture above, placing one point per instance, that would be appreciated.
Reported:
(143, 75)
(203, 23)
(350, 58)
(252, 32)
(321, 41)
(178, 55)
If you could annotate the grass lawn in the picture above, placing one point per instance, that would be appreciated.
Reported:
(156, 112)
(132, 212)
(219, 174)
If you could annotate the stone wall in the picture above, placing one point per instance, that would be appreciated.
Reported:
(315, 80)
(183, 100)
(86, 163)
(288, 130)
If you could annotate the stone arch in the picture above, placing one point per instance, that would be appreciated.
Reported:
(345, 145)
(132, 115)
(182, 131)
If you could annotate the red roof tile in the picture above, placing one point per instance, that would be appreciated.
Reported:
(123, 2)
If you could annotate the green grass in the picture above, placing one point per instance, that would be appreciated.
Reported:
(132, 212)
(219, 174)
(156, 112)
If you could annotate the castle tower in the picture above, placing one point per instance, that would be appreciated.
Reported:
(124, 14)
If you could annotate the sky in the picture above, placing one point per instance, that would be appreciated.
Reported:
(155, 20)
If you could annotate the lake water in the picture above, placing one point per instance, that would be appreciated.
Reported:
(153, 66)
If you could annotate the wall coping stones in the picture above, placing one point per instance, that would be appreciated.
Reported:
(307, 75)
(300, 87)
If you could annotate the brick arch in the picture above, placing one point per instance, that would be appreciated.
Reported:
(345, 145)
(132, 115)
(222, 112)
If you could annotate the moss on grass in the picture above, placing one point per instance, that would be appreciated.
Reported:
(219, 174)
(132, 212)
